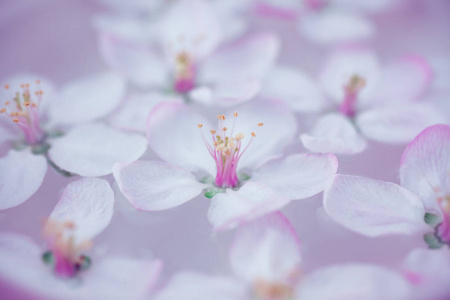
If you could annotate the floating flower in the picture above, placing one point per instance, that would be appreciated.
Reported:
(42, 127)
(376, 208)
(236, 163)
(267, 265)
(378, 103)
(62, 269)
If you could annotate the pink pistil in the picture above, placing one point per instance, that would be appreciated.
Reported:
(64, 267)
(351, 90)
(226, 152)
(24, 111)
(184, 73)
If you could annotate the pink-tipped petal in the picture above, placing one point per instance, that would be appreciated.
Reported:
(373, 207)
(253, 200)
(267, 249)
(88, 99)
(173, 134)
(334, 133)
(298, 176)
(294, 87)
(405, 80)
(93, 149)
(154, 185)
(140, 64)
(21, 175)
(258, 51)
(134, 111)
(354, 281)
(195, 286)
(89, 204)
(332, 26)
(425, 166)
(397, 124)
(346, 62)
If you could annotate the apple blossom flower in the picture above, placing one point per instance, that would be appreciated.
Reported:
(370, 101)
(267, 265)
(191, 58)
(40, 127)
(375, 208)
(236, 163)
(62, 269)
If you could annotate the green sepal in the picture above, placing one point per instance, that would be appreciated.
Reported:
(48, 258)
(40, 149)
(55, 134)
(207, 179)
(243, 176)
(432, 241)
(211, 192)
(431, 220)
(85, 263)
(58, 169)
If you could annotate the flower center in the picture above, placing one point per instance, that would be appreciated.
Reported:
(64, 254)
(226, 152)
(264, 290)
(351, 91)
(444, 228)
(23, 109)
(184, 73)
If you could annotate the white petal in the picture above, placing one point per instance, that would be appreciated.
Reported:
(126, 27)
(195, 286)
(22, 173)
(334, 133)
(233, 93)
(298, 176)
(251, 201)
(154, 185)
(88, 99)
(404, 80)
(271, 139)
(134, 6)
(172, 132)
(294, 87)
(397, 124)
(267, 249)
(133, 113)
(346, 62)
(373, 207)
(140, 64)
(93, 149)
(428, 272)
(354, 281)
(332, 26)
(258, 51)
(89, 204)
(425, 165)
(191, 26)
(121, 278)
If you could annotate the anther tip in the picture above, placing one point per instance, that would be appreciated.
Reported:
(200, 125)
(260, 124)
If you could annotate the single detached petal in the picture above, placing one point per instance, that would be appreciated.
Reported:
(134, 111)
(196, 286)
(271, 139)
(354, 281)
(121, 278)
(251, 201)
(346, 62)
(428, 272)
(154, 185)
(190, 26)
(88, 99)
(93, 149)
(139, 63)
(333, 26)
(298, 176)
(89, 204)
(397, 124)
(425, 166)
(22, 173)
(404, 80)
(334, 133)
(373, 207)
(294, 87)
(258, 51)
(173, 134)
(268, 250)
